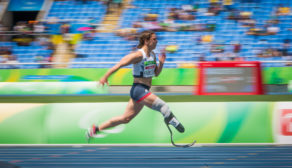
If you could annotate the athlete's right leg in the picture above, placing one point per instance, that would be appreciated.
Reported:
(132, 109)
(154, 102)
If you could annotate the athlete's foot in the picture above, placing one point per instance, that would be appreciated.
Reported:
(91, 132)
(171, 119)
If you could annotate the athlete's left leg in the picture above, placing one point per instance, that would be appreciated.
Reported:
(131, 111)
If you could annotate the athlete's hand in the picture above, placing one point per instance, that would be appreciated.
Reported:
(103, 81)
(162, 56)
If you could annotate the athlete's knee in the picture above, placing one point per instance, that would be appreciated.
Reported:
(126, 120)
(161, 106)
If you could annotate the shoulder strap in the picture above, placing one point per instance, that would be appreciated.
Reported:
(143, 53)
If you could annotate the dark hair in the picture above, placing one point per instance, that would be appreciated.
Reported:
(145, 35)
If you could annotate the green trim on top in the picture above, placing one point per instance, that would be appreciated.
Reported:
(168, 76)
(125, 98)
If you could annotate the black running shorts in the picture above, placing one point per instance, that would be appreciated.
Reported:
(139, 92)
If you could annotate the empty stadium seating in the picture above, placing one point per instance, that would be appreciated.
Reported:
(27, 54)
(77, 11)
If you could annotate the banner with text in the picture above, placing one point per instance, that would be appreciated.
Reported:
(169, 76)
(207, 122)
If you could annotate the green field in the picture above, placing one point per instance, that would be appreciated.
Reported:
(123, 98)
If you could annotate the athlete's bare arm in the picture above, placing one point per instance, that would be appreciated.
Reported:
(127, 60)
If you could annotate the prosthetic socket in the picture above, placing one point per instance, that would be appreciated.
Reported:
(169, 118)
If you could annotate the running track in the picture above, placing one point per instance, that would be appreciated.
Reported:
(134, 156)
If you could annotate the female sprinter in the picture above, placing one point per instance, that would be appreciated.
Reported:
(144, 68)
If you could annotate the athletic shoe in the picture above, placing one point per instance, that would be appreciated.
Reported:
(91, 132)
(171, 119)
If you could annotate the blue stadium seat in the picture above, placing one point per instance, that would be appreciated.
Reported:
(107, 45)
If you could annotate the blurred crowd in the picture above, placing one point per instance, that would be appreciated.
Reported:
(27, 33)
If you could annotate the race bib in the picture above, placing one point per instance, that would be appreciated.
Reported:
(149, 69)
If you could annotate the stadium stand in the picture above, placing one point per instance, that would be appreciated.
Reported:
(77, 11)
(252, 32)
(190, 30)
(33, 53)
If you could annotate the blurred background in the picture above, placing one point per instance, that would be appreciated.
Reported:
(75, 34)
(105, 30)
(61, 47)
